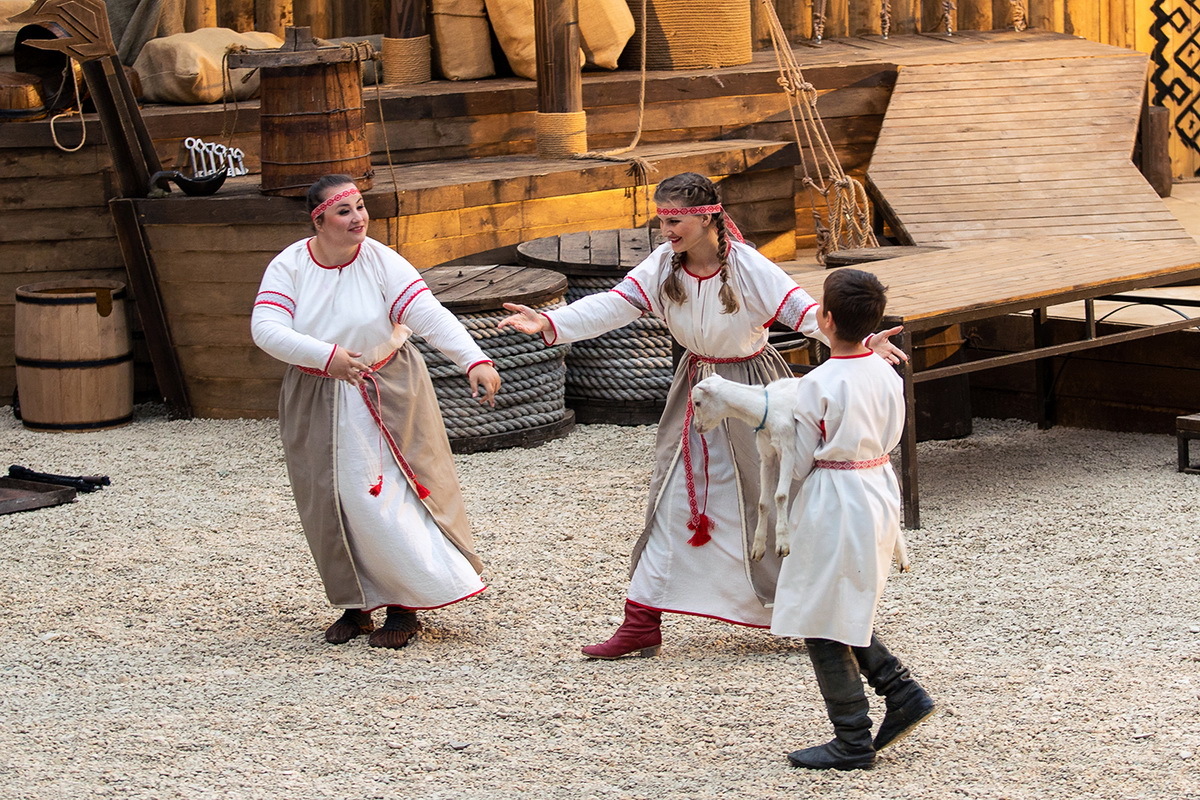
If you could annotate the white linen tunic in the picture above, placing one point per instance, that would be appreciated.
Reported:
(845, 520)
(715, 579)
(303, 311)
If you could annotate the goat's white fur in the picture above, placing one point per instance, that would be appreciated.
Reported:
(769, 410)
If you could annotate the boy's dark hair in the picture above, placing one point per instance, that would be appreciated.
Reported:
(856, 300)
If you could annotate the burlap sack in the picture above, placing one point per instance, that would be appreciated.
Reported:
(8, 30)
(605, 26)
(462, 40)
(186, 68)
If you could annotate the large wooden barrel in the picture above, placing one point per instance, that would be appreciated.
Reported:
(530, 408)
(621, 377)
(311, 117)
(74, 357)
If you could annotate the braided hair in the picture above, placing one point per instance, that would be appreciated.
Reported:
(687, 190)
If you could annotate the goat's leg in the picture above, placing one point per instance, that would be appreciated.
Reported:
(900, 554)
(768, 464)
(783, 488)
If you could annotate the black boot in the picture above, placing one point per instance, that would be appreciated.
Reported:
(908, 705)
(400, 626)
(847, 705)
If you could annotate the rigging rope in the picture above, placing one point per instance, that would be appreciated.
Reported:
(846, 222)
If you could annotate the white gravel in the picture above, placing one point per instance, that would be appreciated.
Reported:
(163, 635)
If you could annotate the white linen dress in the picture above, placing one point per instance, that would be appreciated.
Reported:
(715, 579)
(397, 552)
(845, 520)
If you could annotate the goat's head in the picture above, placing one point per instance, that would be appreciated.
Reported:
(707, 406)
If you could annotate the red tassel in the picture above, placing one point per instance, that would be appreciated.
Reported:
(701, 524)
(422, 492)
(377, 488)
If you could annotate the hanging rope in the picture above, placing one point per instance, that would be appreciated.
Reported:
(948, 16)
(1020, 20)
(885, 19)
(846, 220)
(70, 113)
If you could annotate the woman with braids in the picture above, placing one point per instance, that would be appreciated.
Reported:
(718, 297)
(366, 451)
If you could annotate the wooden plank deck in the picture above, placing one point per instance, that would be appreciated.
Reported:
(999, 150)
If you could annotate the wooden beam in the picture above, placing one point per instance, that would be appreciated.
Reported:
(556, 36)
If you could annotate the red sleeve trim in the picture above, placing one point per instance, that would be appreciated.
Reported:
(622, 295)
(329, 360)
(277, 305)
(477, 363)
(281, 294)
(646, 297)
(407, 303)
(553, 327)
(779, 309)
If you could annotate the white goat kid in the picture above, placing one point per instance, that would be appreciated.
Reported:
(769, 411)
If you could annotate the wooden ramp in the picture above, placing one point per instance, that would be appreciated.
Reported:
(971, 152)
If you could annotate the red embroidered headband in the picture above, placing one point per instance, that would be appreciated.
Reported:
(715, 209)
(321, 209)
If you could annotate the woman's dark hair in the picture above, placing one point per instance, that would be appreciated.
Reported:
(687, 190)
(321, 187)
(856, 299)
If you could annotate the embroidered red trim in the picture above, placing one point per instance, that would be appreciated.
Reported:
(844, 465)
(321, 209)
(407, 302)
(277, 305)
(779, 310)
(308, 246)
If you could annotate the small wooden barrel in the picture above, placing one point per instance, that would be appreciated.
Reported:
(531, 406)
(73, 354)
(620, 377)
(312, 117)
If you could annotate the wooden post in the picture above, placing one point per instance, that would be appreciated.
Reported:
(556, 36)
(273, 16)
(200, 14)
(864, 17)
(975, 15)
(312, 14)
(1154, 140)
(236, 14)
(406, 19)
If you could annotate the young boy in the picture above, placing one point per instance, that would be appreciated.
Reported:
(845, 521)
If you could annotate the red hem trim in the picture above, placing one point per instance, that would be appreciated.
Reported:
(696, 614)
(308, 246)
(860, 355)
(430, 608)
(290, 313)
(332, 353)
(553, 327)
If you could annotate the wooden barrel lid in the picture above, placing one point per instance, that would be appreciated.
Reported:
(299, 50)
(865, 255)
(469, 289)
(598, 253)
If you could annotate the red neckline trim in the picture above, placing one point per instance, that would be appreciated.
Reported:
(860, 355)
(698, 277)
(308, 246)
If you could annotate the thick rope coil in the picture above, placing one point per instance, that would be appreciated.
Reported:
(561, 135)
(406, 61)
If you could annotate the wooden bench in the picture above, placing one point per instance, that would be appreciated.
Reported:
(1187, 428)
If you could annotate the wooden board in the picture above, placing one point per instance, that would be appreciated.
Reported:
(990, 151)
(18, 495)
(467, 289)
(591, 253)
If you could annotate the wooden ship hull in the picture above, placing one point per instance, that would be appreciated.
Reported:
(457, 180)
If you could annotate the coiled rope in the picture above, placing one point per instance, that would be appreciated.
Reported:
(534, 380)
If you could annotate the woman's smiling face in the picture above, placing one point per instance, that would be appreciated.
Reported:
(344, 224)
(684, 233)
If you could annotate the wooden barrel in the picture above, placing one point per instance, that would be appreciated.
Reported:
(20, 95)
(74, 357)
(531, 406)
(312, 117)
(620, 377)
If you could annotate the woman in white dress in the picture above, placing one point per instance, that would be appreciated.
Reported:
(717, 296)
(366, 450)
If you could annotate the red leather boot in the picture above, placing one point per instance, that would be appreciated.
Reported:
(640, 631)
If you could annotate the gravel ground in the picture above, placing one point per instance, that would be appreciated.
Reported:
(165, 635)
